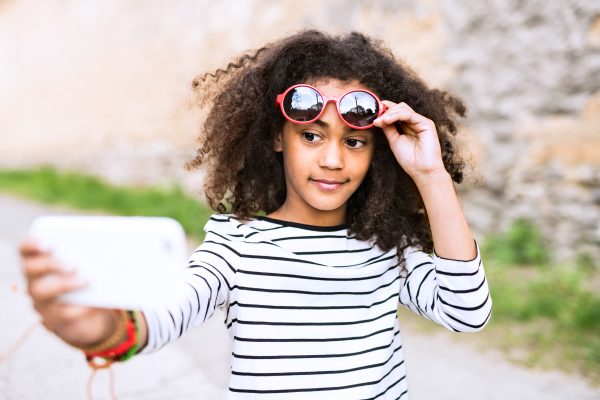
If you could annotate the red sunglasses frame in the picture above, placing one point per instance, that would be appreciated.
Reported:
(326, 100)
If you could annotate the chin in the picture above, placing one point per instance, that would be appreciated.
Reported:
(322, 205)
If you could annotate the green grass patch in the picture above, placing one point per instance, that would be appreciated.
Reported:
(544, 306)
(547, 311)
(90, 193)
(522, 244)
(549, 302)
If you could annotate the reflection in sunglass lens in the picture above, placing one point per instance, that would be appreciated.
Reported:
(302, 104)
(359, 108)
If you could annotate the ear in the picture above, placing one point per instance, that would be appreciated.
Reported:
(278, 142)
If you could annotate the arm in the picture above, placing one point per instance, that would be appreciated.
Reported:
(205, 285)
(449, 288)
(451, 234)
(418, 152)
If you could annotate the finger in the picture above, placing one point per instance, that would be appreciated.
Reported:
(50, 286)
(408, 129)
(35, 267)
(405, 115)
(32, 247)
(402, 112)
(401, 131)
(392, 135)
(391, 105)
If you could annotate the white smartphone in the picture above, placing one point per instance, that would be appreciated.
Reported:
(128, 261)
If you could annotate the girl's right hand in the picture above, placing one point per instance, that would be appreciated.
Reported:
(47, 279)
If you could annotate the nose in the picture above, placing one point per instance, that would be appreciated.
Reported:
(332, 154)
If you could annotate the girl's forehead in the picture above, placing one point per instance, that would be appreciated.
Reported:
(335, 87)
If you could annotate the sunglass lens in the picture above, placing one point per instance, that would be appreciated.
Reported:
(302, 104)
(359, 109)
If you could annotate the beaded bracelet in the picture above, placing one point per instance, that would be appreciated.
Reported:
(135, 346)
(121, 348)
(122, 352)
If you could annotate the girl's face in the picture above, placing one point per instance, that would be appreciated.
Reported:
(325, 161)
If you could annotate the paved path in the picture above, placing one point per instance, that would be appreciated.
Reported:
(197, 366)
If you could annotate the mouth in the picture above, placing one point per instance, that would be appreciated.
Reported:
(328, 185)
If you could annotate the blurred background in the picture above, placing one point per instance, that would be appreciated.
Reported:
(96, 114)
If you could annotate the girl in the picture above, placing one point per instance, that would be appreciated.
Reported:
(351, 157)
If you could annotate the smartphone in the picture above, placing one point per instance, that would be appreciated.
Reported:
(129, 262)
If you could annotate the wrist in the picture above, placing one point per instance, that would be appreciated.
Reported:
(121, 350)
(110, 325)
(431, 178)
(112, 331)
(114, 326)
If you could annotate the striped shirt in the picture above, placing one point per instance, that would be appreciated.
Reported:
(312, 311)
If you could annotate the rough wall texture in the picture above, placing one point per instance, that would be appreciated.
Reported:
(103, 86)
(530, 72)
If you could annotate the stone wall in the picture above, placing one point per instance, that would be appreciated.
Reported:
(103, 87)
(530, 72)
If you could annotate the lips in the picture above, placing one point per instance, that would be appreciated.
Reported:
(328, 185)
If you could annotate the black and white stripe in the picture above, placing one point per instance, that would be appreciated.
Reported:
(312, 311)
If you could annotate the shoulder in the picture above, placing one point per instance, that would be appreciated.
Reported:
(225, 227)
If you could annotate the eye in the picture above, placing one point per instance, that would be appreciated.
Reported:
(311, 137)
(355, 143)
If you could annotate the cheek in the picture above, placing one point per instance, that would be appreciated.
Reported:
(296, 161)
(359, 166)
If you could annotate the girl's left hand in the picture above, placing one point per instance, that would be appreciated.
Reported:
(418, 150)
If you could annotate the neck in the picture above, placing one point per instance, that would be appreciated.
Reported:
(296, 209)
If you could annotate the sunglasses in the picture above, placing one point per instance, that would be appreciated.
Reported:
(303, 104)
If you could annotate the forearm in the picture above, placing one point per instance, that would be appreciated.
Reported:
(451, 234)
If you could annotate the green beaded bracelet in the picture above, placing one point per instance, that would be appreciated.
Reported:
(134, 348)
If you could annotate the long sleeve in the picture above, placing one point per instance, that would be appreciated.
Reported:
(452, 293)
(203, 286)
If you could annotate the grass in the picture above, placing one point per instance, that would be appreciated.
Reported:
(542, 313)
(522, 244)
(529, 286)
(541, 306)
(90, 193)
(547, 311)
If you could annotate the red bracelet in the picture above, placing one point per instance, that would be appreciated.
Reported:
(122, 348)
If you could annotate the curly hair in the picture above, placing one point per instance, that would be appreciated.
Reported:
(236, 141)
